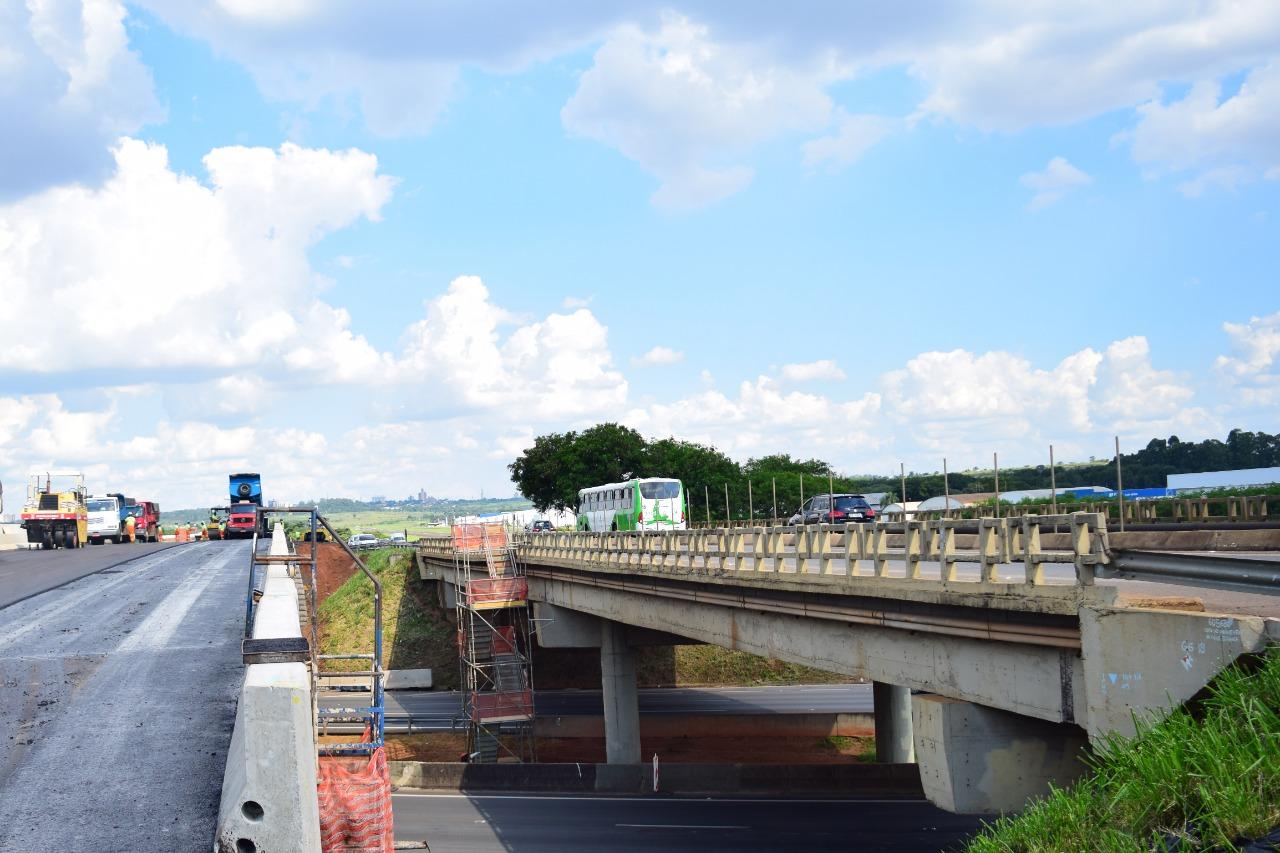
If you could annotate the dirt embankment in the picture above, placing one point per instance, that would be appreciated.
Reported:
(449, 746)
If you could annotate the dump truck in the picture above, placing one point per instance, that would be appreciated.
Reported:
(55, 514)
(246, 497)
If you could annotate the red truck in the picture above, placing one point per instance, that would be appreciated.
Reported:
(146, 525)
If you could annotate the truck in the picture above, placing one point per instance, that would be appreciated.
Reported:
(106, 517)
(55, 514)
(246, 497)
(146, 520)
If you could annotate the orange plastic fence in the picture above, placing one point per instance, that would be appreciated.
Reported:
(490, 593)
(499, 707)
(471, 537)
(355, 804)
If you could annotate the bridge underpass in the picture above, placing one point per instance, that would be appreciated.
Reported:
(996, 656)
(117, 693)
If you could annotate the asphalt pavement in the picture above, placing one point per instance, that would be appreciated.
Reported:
(479, 823)
(24, 572)
(117, 698)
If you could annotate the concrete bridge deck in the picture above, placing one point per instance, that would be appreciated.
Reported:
(1001, 640)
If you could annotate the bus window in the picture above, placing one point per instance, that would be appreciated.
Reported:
(660, 491)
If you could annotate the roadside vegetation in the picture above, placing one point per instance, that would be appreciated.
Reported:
(414, 632)
(1205, 778)
(551, 472)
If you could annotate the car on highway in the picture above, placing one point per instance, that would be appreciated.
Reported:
(360, 541)
(834, 509)
(396, 539)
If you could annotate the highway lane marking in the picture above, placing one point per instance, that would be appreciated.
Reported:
(78, 599)
(427, 795)
(162, 623)
(681, 826)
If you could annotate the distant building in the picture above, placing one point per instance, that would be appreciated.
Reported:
(1238, 479)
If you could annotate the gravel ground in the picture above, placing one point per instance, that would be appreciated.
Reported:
(117, 699)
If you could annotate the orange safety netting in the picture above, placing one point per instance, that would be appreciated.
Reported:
(472, 537)
(355, 804)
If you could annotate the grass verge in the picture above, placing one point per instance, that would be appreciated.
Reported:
(1204, 778)
(414, 632)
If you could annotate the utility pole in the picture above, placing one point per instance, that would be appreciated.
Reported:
(995, 460)
(751, 505)
(775, 501)
(946, 491)
(1119, 484)
(1053, 482)
(728, 521)
(706, 496)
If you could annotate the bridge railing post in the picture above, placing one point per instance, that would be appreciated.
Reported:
(1088, 544)
(912, 550)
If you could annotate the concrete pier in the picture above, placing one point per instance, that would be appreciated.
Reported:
(621, 701)
(894, 740)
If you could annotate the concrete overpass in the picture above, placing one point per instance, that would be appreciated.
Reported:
(995, 652)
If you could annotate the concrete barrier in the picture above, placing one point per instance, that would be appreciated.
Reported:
(407, 679)
(269, 787)
(852, 780)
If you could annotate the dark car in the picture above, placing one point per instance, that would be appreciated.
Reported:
(540, 526)
(834, 509)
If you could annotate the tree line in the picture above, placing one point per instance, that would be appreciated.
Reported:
(551, 472)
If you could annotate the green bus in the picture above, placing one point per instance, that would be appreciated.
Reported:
(645, 503)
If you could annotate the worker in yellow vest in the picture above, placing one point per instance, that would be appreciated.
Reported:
(130, 525)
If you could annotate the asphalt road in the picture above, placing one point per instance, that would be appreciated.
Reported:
(117, 698)
(24, 573)
(462, 823)
(437, 709)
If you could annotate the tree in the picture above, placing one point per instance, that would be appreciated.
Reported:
(559, 464)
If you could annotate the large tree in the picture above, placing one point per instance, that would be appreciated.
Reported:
(559, 464)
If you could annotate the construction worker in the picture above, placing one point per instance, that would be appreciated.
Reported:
(130, 525)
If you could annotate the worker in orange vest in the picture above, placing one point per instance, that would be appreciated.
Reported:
(130, 525)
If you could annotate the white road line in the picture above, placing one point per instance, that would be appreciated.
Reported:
(162, 623)
(679, 826)
(78, 599)
(429, 795)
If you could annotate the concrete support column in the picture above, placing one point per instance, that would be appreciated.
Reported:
(979, 760)
(621, 702)
(895, 743)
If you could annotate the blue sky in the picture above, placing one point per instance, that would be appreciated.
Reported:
(373, 250)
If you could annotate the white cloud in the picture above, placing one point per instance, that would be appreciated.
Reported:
(1251, 371)
(69, 85)
(559, 366)
(1232, 139)
(1056, 180)
(685, 106)
(659, 355)
(821, 369)
(854, 135)
(218, 276)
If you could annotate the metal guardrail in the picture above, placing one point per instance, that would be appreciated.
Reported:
(1199, 570)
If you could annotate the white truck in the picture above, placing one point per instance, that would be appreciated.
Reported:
(106, 518)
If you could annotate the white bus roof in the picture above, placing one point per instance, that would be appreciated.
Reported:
(629, 482)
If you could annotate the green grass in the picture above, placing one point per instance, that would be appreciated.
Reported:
(713, 665)
(414, 633)
(1208, 775)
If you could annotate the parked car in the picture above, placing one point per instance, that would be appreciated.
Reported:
(360, 541)
(540, 525)
(834, 509)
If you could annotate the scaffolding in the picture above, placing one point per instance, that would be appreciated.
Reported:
(494, 649)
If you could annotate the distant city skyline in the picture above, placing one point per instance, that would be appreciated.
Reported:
(363, 248)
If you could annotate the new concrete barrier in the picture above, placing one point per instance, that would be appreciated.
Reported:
(719, 725)
(269, 787)
(852, 780)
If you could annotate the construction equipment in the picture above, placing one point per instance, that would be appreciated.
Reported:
(217, 521)
(494, 645)
(246, 498)
(55, 514)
